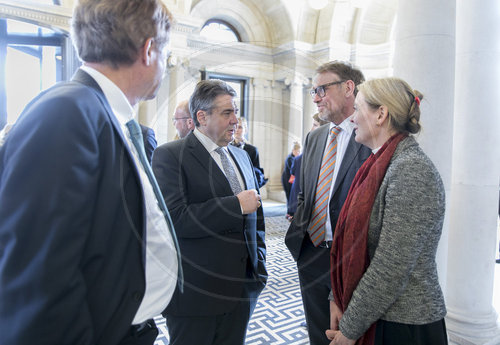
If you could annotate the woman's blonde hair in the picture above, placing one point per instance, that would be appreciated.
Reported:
(402, 102)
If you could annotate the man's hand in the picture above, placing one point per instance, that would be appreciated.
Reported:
(249, 201)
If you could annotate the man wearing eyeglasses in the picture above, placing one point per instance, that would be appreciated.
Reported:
(330, 161)
(183, 122)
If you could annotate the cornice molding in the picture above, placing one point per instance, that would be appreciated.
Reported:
(54, 17)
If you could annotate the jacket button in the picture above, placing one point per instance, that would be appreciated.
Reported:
(137, 296)
(243, 259)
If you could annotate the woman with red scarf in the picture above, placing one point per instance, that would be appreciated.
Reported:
(385, 287)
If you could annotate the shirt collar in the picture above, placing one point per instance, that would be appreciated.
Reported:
(206, 141)
(347, 126)
(116, 98)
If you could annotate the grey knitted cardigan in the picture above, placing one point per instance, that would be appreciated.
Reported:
(401, 283)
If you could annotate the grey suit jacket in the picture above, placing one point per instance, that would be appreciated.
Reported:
(314, 146)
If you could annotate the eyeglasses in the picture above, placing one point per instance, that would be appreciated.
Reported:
(321, 90)
(179, 118)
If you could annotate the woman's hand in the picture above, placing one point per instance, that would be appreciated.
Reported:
(335, 316)
(337, 338)
(333, 333)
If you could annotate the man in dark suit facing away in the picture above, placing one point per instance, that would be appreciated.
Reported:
(211, 191)
(87, 254)
(330, 161)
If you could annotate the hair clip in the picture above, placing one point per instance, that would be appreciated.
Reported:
(417, 100)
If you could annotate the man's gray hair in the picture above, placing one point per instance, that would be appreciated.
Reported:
(204, 95)
(113, 31)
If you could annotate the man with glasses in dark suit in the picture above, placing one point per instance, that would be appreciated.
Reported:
(330, 161)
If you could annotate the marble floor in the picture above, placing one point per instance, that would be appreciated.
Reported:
(279, 312)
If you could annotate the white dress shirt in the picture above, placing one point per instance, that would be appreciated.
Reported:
(342, 141)
(210, 146)
(161, 257)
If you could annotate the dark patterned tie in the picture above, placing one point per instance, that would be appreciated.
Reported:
(229, 171)
(136, 136)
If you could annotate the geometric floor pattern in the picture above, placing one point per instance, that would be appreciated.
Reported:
(279, 312)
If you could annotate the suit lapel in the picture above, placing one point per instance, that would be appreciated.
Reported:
(239, 159)
(204, 158)
(350, 153)
(319, 147)
(84, 78)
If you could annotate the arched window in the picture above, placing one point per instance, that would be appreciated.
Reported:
(220, 31)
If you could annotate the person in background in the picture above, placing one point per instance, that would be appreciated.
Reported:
(295, 170)
(182, 120)
(385, 285)
(211, 190)
(330, 160)
(286, 176)
(87, 255)
(148, 136)
(239, 141)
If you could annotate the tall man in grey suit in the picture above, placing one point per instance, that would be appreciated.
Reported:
(211, 191)
(86, 252)
(324, 191)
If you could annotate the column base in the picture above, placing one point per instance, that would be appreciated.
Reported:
(473, 329)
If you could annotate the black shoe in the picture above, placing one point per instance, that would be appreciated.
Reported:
(497, 261)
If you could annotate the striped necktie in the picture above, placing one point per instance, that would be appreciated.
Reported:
(316, 227)
(136, 136)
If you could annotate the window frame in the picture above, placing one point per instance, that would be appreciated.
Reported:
(15, 41)
(244, 86)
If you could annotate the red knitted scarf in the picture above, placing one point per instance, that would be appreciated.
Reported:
(349, 255)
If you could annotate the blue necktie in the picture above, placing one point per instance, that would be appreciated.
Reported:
(136, 136)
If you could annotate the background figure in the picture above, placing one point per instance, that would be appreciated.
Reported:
(385, 243)
(182, 120)
(211, 190)
(148, 136)
(287, 172)
(323, 190)
(79, 217)
(239, 141)
(297, 162)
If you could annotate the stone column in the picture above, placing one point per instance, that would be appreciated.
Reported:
(423, 28)
(296, 106)
(260, 132)
(476, 165)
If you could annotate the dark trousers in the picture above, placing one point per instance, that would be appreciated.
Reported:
(144, 334)
(314, 275)
(226, 329)
(393, 333)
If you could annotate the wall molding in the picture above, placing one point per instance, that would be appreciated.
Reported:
(55, 17)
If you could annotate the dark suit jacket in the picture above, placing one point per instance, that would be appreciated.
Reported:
(314, 146)
(253, 153)
(148, 136)
(295, 190)
(71, 222)
(216, 240)
(254, 157)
